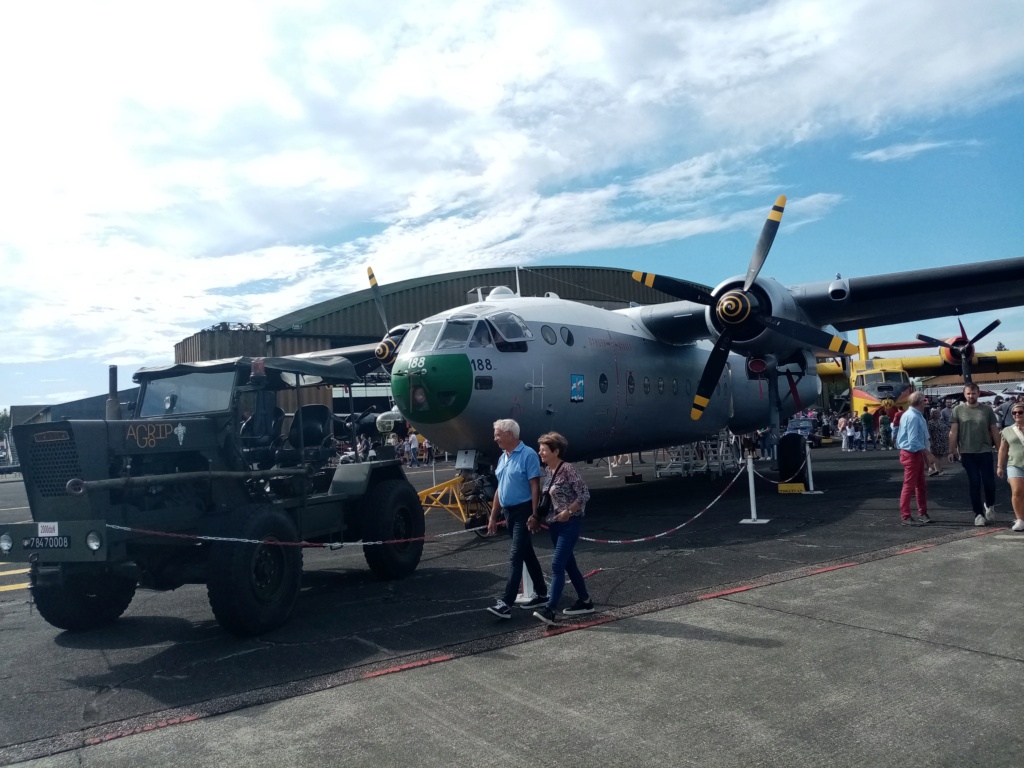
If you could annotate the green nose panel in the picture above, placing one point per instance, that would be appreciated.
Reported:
(432, 389)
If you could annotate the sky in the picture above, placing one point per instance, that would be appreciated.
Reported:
(165, 167)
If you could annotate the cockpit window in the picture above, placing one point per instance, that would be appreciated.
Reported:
(510, 327)
(456, 333)
(481, 335)
(424, 340)
(190, 393)
(899, 377)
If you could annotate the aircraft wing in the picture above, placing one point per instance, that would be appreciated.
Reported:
(909, 296)
(982, 362)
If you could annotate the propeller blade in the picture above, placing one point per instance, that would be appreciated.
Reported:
(936, 342)
(709, 378)
(813, 337)
(965, 368)
(377, 298)
(764, 242)
(986, 331)
(681, 289)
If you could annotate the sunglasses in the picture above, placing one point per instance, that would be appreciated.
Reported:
(1017, 413)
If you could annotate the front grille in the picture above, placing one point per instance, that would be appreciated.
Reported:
(54, 462)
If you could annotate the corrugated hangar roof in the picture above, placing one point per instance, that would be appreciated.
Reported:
(409, 301)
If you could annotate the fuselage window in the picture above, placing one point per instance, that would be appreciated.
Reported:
(661, 386)
(675, 387)
(602, 383)
(549, 334)
(631, 383)
(426, 337)
(687, 386)
(647, 385)
(567, 336)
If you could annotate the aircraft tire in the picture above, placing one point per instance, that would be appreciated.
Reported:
(252, 588)
(84, 602)
(392, 511)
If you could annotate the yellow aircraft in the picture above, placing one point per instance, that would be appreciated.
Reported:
(883, 383)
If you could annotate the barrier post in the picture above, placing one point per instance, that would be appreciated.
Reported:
(528, 592)
(752, 520)
(810, 473)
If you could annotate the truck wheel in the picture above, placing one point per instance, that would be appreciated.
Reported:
(392, 511)
(83, 601)
(252, 587)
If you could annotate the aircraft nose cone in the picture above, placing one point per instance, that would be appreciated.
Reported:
(434, 389)
(734, 307)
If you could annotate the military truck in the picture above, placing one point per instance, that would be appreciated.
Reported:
(209, 482)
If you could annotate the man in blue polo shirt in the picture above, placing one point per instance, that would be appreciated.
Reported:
(519, 476)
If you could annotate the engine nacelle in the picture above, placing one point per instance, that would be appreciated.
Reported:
(839, 289)
(766, 296)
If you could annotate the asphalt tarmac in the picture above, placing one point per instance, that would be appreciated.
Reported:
(830, 635)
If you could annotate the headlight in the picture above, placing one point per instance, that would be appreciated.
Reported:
(6, 542)
(93, 541)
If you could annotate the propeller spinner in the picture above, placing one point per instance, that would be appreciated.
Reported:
(738, 308)
(961, 347)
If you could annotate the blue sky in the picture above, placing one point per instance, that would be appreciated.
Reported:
(236, 161)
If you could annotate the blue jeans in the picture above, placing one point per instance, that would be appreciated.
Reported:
(980, 469)
(521, 552)
(564, 536)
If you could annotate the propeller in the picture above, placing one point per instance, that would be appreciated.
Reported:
(387, 350)
(737, 309)
(962, 348)
(377, 298)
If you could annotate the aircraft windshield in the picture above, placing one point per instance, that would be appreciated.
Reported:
(891, 377)
(425, 337)
(456, 333)
(191, 393)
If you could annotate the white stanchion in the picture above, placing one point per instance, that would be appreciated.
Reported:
(810, 473)
(609, 460)
(752, 520)
(528, 592)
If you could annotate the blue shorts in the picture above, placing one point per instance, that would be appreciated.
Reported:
(1016, 472)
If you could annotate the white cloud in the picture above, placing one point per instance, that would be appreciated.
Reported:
(158, 165)
(907, 151)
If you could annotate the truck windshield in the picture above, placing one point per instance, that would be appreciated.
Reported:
(191, 393)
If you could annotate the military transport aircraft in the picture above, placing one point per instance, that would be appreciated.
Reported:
(616, 381)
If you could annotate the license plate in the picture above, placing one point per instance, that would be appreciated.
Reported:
(45, 542)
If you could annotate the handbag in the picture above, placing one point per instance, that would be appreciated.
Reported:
(544, 506)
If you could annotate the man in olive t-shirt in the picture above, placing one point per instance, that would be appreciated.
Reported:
(973, 431)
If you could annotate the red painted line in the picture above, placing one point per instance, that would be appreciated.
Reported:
(915, 549)
(831, 568)
(141, 729)
(725, 592)
(411, 665)
(552, 631)
(588, 575)
(993, 530)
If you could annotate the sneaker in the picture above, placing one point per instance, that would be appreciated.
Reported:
(909, 521)
(533, 602)
(923, 517)
(990, 512)
(980, 521)
(579, 607)
(501, 610)
(1018, 525)
(546, 615)
(932, 472)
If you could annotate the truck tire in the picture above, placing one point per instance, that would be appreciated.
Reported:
(83, 602)
(392, 511)
(252, 588)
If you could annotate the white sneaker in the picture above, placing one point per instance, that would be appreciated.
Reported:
(990, 512)
(980, 521)
(1018, 525)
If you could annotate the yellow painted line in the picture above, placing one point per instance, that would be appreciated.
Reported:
(12, 587)
(14, 573)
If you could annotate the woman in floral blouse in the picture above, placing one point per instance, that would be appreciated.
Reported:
(569, 496)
